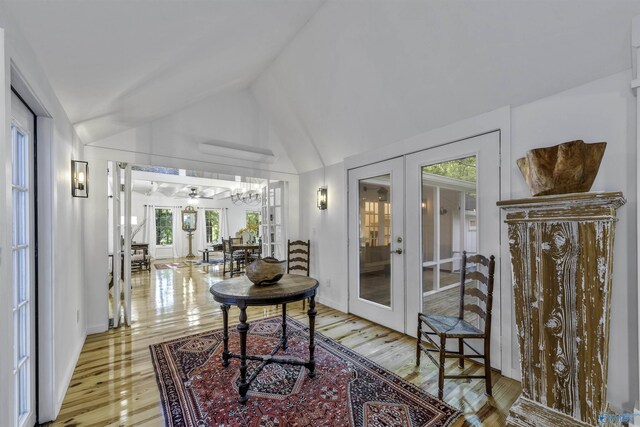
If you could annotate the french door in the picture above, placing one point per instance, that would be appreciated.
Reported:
(376, 242)
(23, 254)
(410, 219)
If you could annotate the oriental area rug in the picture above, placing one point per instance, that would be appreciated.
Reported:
(348, 389)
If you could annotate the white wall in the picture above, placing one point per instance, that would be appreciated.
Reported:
(603, 110)
(61, 306)
(232, 117)
(327, 231)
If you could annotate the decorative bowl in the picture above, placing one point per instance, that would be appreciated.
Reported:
(570, 167)
(265, 271)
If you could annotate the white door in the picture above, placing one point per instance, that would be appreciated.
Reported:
(23, 254)
(376, 233)
(451, 195)
(117, 244)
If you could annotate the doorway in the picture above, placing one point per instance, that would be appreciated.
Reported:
(410, 219)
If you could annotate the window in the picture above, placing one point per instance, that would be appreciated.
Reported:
(252, 220)
(21, 280)
(164, 227)
(212, 225)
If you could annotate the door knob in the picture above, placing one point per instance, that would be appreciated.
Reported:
(397, 251)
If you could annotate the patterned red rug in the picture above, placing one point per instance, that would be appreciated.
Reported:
(348, 390)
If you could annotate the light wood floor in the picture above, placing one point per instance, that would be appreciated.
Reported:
(114, 382)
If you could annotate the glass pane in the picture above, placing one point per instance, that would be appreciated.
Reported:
(22, 331)
(23, 390)
(449, 213)
(375, 238)
(22, 274)
(449, 227)
(449, 275)
(19, 158)
(428, 278)
(20, 219)
(428, 223)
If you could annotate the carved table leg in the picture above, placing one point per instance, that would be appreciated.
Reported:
(312, 335)
(225, 334)
(243, 328)
(284, 327)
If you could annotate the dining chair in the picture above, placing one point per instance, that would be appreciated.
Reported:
(230, 257)
(298, 258)
(476, 285)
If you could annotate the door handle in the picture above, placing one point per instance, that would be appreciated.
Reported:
(397, 251)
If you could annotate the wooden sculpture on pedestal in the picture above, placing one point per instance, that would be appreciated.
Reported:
(562, 259)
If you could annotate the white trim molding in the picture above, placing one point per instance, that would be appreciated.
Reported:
(635, 83)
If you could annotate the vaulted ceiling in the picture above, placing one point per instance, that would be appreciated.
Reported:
(333, 77)
(116, 64)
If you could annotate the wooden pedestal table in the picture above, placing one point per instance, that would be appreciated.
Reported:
(562, 259)
(239, 291)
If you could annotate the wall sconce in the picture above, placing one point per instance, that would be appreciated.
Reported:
(322, 198)
(79, 178)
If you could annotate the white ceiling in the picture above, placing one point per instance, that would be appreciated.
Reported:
(180, 186)
(116, 64)
(334, 77)
(364, 74)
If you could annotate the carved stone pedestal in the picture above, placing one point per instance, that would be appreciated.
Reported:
(562, 259)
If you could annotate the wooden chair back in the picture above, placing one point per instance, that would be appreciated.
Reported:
(235, 240)
(226, 248)
(298, 256)
(482, 274)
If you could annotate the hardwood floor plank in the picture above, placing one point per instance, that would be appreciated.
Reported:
(114, 383)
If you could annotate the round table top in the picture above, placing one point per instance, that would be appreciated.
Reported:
(241, 291)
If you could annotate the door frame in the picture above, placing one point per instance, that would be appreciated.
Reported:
(497, 120)
(45, 217)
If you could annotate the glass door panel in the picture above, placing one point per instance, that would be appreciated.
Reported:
(451, 191)
(445, 189)
(375, 237)
(376, 243)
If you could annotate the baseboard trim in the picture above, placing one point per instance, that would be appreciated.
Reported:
(67, 378)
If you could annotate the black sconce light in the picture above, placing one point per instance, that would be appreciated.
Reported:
(79, 178)
(322, 198)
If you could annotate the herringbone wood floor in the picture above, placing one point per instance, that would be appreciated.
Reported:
(114, 383)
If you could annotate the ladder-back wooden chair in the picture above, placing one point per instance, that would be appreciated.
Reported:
(230, 257)
(298, 258)
(456, 327)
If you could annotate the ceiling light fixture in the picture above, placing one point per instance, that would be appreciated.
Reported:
(246, 195)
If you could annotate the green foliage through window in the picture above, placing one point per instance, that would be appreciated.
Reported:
(164, 227)
(463, 169)
(212, 223)
(253, 222)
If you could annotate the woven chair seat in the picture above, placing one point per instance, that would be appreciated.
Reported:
(451, 326)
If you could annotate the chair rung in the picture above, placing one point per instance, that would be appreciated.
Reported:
(461, 377)
(453, 355)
